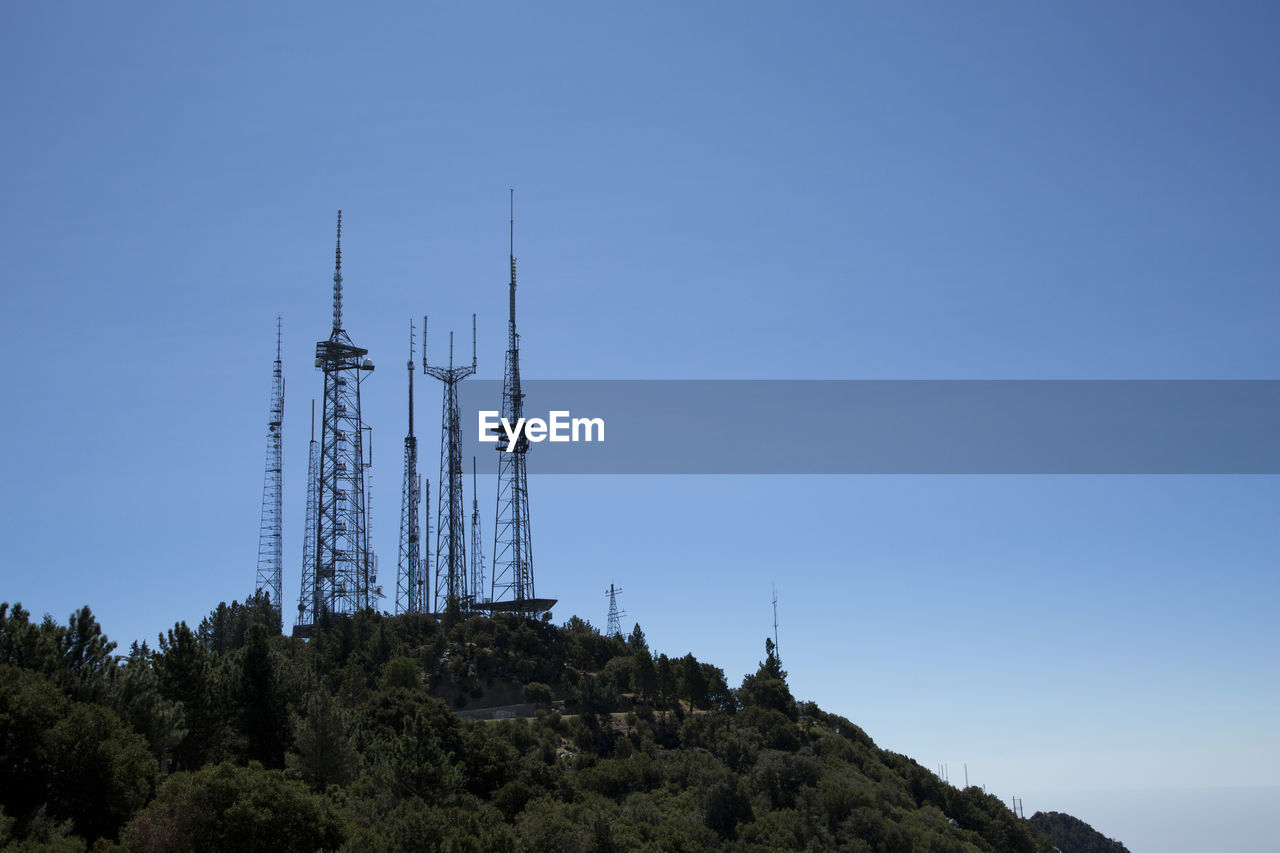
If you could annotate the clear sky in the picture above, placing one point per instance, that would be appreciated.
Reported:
(847, 190)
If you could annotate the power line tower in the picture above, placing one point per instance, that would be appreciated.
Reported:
(614, 628)
(409, 585)
(344, 575)
(306, 598)
(451, 548)
(512, 547)
(269, 550)
(477, 552)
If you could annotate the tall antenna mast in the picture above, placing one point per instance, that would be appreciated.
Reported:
(513, 588)
(614, 622)
(337, 280)
(269, 541)
(307, 597)
(477, 553)
(451, 550)
(344, 574)
(409, 585)
(776, 653)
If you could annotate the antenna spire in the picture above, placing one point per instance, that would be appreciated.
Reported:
(776, 654)
(411, 376)
(511, 253)
(337, 278)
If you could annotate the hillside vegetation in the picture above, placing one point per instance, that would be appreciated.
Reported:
(1072, 835)
(345, 742)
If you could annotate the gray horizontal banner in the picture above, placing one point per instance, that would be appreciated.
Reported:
(882, 427)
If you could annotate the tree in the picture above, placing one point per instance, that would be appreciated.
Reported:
(185, 671)
(767, 687)
(537, 693)
(76, 760)
(415, 763)
(401, 672)
(23, 644)
(263, 717)
(692, 681)
(235, 808)
(86, 651)
(643, 673)
(666, 681)
(136, 697)
(637, 640)
(325, 753)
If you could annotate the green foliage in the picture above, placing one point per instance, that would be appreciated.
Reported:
(325, 752)
(224, 629)
(537, 693)
(235, 808)
(259, 696)
(641, 750)
(67, 760)
(187, 675)
(767, 687)
(1072, 835)
(400, 672)
(136, 697)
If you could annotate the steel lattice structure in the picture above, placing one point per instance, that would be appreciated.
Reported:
(306, 598)
(512, 546)
(269, 547)
(409, 581)
(614, 628)
(477, 552)
(451, 550)
(344, 578)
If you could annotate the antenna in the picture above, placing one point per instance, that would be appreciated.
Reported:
(410, 365)
(777, 654)
(512, 586)
(477, 554)
(340, 574)
(269, 541)
(307, 596)
(409, 568)
(337, 278)
(451, 575)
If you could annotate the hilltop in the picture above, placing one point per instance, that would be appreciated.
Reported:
(1072, 835)
(372, 736)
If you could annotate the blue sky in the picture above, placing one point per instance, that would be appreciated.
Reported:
(856, 190)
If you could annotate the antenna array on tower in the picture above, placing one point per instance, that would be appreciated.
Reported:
(451, 550)
(513, 588)
(343, 575)
(269, 544)
(409, 582)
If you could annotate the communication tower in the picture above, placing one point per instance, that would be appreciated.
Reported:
(269, 551)
(306, 598)
(477, 552)
(409, 583)
(513, 589)
(451, 548)
(344, 577)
